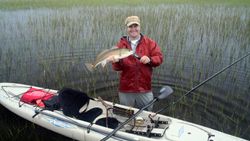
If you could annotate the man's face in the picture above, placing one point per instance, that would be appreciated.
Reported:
(133, 31)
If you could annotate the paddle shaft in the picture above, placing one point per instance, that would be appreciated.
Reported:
(128, 120)
(205, 81)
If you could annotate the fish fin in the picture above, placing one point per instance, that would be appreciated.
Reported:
(114, 47)
(104, 62)
(89, 66)
(106, 50)
(101, 53)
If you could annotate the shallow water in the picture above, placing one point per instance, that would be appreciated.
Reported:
(48, 48)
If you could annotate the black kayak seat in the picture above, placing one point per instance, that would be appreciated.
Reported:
(72, 101)
(109, 122)
(90, 115)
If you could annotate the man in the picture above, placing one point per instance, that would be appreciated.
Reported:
(136, 70)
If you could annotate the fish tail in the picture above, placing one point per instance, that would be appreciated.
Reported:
(89, 66)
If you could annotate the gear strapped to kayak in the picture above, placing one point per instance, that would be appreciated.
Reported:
(73, 100)
(69, 100)
(36, 96)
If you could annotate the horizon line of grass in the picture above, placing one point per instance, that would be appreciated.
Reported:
(34, 4)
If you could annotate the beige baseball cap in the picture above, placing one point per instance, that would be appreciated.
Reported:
(132, 20)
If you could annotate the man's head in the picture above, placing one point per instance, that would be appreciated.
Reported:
(133, 26)
(132, 20)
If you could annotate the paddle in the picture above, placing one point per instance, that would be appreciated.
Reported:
(164, 93)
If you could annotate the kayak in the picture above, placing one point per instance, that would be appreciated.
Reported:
(97, 118)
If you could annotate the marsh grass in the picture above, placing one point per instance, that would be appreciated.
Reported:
(28, 4)
(48, 48)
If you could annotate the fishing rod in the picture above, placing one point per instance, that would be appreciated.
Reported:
(203, 82)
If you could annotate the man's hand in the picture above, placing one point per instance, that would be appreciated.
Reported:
(145, 59)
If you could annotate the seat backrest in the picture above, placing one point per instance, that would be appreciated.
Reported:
(72, 100)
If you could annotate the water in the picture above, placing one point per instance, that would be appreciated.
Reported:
(48, 48)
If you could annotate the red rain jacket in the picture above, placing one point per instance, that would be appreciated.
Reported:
(135, 77)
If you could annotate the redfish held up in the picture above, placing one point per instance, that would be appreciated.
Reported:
(103, 57)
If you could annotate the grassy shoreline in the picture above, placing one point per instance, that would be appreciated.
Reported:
(34, 4)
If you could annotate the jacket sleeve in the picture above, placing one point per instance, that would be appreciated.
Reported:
(117, 66)
(156, 57)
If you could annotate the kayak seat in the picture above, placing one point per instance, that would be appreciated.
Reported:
(90, 115)
(110, 123)
(72, 101)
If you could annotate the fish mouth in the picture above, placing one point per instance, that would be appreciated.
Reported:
(137, 56)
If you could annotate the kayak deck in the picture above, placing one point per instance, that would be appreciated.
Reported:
(144, 126)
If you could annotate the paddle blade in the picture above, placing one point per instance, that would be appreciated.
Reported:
(165, 92)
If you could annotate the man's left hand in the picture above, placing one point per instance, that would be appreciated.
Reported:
(145, 59)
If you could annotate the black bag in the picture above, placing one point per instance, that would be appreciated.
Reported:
(72, 100)
(52, 103)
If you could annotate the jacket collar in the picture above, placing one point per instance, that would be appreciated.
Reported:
(127, 38)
